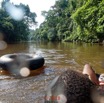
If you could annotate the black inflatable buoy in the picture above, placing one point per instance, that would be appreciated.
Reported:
(20, 62)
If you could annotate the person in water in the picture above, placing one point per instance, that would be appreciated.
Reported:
(97, 79)
(75, 87)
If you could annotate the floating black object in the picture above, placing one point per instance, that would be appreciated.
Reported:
(14, 62)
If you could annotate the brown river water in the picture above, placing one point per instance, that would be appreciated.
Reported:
(58, 58)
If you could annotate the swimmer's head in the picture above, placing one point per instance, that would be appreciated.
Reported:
(101, 77)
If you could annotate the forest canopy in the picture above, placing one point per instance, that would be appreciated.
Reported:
(73, 20)
(15, 29)
(66, 20)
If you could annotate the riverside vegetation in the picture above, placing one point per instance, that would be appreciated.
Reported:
(67, 20)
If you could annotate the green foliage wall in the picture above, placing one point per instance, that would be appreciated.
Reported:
(13, 30)
(78, 20)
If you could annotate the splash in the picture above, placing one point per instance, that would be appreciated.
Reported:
(24, 72)
(16, 13)
(3, 45)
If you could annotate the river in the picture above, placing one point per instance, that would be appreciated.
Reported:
(58, 58)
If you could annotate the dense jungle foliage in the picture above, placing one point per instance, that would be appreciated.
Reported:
(73, 20)
(67, 20)
(13, 30)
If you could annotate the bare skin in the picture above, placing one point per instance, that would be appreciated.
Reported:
(91, 73)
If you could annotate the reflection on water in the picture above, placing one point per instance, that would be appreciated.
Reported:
(58, 58)
(26, 90)
(62, 54)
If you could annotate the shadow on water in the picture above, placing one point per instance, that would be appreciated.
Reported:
(58, 58)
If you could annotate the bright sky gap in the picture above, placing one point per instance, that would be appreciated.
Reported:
(36, 6)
